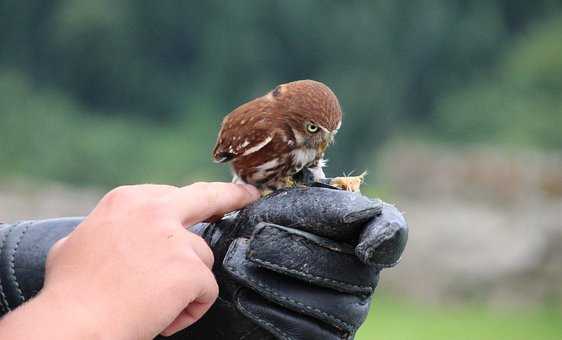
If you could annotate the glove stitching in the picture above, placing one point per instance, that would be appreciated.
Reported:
(311, 308)
(343, 336)
(291, 235)
(279, 296)
(12, 260)
(312, 276)
(257, 318)
(4, 301)
(296, 271)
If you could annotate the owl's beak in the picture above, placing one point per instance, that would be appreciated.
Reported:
(331, 136)
(326, 142)
(327, 138)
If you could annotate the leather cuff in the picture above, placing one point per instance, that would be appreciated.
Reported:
(23, 252)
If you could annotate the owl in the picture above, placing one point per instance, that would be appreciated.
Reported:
(273, 137)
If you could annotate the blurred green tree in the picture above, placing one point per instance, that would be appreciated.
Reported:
(519, 102)
(397, 66)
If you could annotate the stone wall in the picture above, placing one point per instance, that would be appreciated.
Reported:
(484, 225)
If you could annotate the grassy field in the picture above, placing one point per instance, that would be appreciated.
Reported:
(399, 320)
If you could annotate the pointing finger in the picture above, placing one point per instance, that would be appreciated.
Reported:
(198, 202)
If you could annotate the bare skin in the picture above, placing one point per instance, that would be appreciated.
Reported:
(131, 270)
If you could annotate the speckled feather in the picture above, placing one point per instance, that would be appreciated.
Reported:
(265, 139)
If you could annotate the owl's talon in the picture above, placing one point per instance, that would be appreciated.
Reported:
(265, 192)
(290, 182)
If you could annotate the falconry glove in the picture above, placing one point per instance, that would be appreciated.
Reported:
(301, 263)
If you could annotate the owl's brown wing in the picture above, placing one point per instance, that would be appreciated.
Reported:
(245, 130)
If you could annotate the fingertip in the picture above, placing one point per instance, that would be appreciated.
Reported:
(182, 321)
(187, 317)
(199, 201)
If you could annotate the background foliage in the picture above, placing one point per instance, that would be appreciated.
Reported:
(107, 92)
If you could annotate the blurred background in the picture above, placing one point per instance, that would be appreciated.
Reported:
(454, 108)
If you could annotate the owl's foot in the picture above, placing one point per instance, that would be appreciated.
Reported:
(348, 183)
(289, 182)
(265, 192)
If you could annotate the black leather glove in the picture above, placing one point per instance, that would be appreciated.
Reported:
(275, 282)
(23, 251)
(299, 264)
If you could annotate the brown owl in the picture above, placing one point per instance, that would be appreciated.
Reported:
(271, 138)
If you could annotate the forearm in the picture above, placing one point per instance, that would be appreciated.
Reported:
(44, 317)
(50, 316)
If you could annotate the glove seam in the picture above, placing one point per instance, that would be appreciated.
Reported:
(312, 276)
(3, 299)
(12, 263)
(343, 336)
(258, 319)
(266, 289)
(296, 271)
(284, 231)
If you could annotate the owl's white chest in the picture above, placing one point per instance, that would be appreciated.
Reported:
(303, 157)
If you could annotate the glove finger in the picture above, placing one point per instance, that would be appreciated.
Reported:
(283, 323)
(222, 322)
(311, 258)
(384, 238)
(341, 310)
(335, 214)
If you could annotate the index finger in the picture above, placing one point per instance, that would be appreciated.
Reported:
(199, 201)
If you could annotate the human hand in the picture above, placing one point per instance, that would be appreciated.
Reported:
(131, 269)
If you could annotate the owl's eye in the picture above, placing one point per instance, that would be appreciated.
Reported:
(312, 128)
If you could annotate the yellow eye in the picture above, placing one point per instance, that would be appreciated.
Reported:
(312, 128)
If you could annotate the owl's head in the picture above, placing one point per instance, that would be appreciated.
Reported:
(311, 109)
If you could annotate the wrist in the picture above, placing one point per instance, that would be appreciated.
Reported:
(50, 315)
(77, 317)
